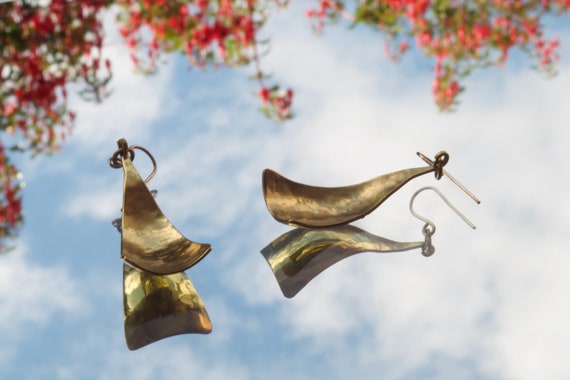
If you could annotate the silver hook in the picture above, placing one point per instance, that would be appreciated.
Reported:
(427, 248)
(429, 222)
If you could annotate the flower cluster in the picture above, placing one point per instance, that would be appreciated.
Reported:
(42, 49)
(211, 33)
(10, 198)
(460, 35)
(276, 102)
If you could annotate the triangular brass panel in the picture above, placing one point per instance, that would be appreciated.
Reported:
(299, 255)
(157, 307)
(302, 205)
(149, 241)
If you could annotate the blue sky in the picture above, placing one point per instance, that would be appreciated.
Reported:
(490, 304)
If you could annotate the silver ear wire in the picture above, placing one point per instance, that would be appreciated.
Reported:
(424, 219)
(429, 228)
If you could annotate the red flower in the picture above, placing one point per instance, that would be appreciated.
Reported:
(264, 94)
(9, 109)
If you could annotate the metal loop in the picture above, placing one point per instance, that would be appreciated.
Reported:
(427, 248)
(123, 151)
(129, 152)
(428, 229)
(440, 160)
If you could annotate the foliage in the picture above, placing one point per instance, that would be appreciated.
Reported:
(210, 33)
(460, 35)
(45, 48)
(42, 49)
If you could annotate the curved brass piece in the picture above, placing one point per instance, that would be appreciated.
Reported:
(157, 307)
(302, 205)
(149, 241)
(299, 255)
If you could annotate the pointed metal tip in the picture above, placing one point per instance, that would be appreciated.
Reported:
(425, 158)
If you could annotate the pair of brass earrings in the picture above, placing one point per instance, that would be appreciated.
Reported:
(159, 298)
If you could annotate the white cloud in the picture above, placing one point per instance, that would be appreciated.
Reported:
(101, 200)
(32, 296)
(176, 361)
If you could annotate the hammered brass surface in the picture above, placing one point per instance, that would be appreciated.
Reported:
(299, 255)
(302, 205)
(149, 241)
(157, 307)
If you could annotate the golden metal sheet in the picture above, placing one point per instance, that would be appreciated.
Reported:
(149, 241)
(302, 205)
(299, 255)
(157, 307)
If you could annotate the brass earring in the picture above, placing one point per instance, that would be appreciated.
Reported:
(325, 237)
(300, 255)
(301, 205)
(159, 298)
(149, 241)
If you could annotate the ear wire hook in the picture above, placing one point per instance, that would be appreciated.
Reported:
(429, 228)
(440, 170)
(154, 166)
(429, 222)
(129, 151)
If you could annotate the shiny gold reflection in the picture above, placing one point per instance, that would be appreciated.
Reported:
(149, 241)
(299, 255)
(157, 307)
(309, 206)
